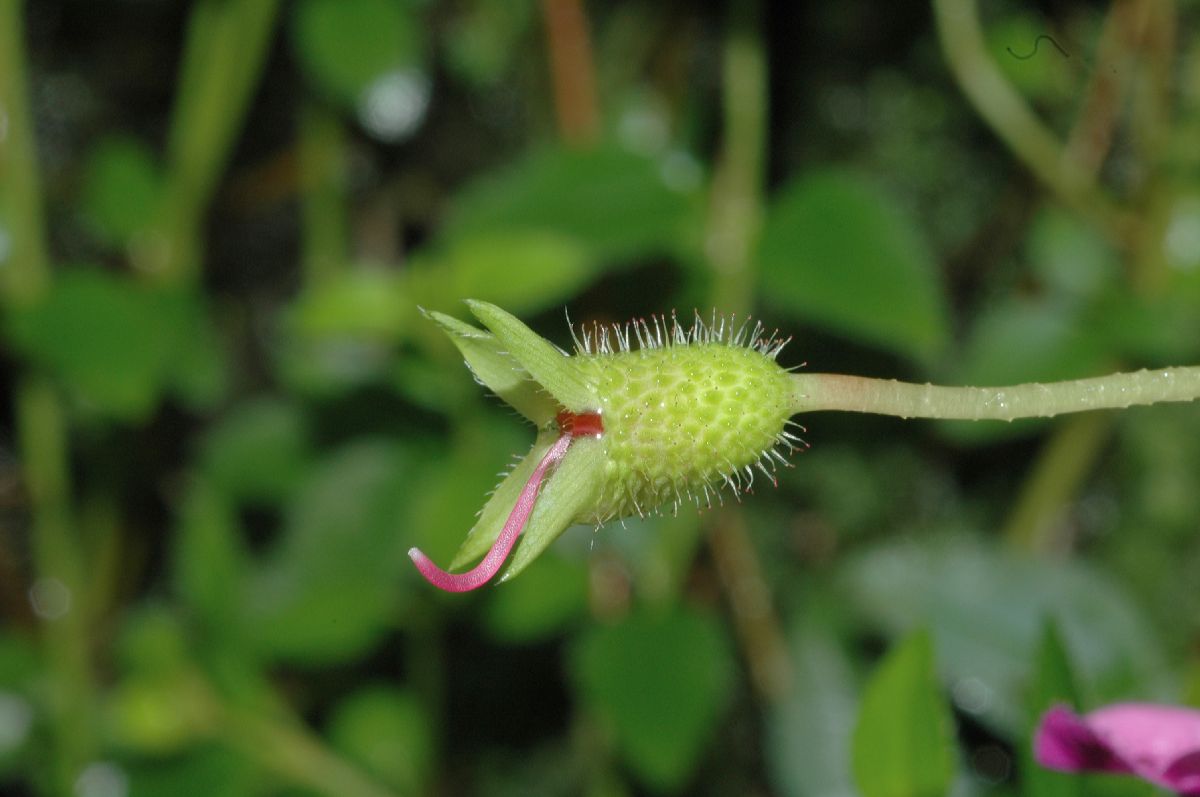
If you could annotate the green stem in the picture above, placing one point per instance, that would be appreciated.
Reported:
(1061, 467)
(322, 181)
(26, 272)
(41, 428)
(290, 750)
(815, 392)
(62, 602)
(227, 43)
(1007, 113)
(736, 213)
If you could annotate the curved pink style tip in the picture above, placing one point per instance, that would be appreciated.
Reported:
(490, 565)
(1160, 744)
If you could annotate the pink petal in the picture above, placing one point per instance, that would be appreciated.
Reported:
(1184, 774)
(1064, 742)
(1160, 744)
(1150, 738)
(490, 565)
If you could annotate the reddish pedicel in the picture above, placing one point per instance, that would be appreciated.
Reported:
(585, 424)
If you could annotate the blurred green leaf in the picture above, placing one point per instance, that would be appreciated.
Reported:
(19, 659)
(152, 641)
(1162, 454)
(986, 606)
(345, 45)
(201, 771)
(198, 370)
(431, 384)
(328, 367)
(258, 452)
(1052, 683)
(330, 587)
(904, 739)
(809, 731)
(1159, 329)
(523, 271)
(362, 302)
(159, 714)
(210, 562)
(838, 252)
(159, 705)
(543, 601)
(612, 203)
(1027, 340)
(104, 336)
(121, 188)
(21, 669)
(384, 729)
(1068, 255)
(484, 38)
(660, 684)
(113, 341)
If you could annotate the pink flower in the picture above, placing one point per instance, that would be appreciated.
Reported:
(1160, 744)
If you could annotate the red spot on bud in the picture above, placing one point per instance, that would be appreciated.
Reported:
(582, 424)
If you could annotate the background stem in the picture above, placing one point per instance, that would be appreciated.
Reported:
(26, 271)
(572, 70)
(1057, 475)
(1007, 113)
(227, 44)
(735, 216)
(289, 749)
(323, 202)
(56, 594)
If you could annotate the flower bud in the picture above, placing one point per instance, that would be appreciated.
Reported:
(622, 430)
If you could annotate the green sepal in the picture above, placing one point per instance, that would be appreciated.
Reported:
(498, 370)
(497, 509)
(569, 493)
(549, 366)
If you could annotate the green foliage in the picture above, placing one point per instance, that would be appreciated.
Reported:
(1052, 683)
(121, 188)
(210, 560)
(810, 731)
(525, 271)
(345, 45)
(837, 252)
(612, 202)
(329, 586)
(904, 739)
(539, 604)
(119, 346)
(259, 452)
(659, 683)
(484, 39)
(987, 610)
(386, 731)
